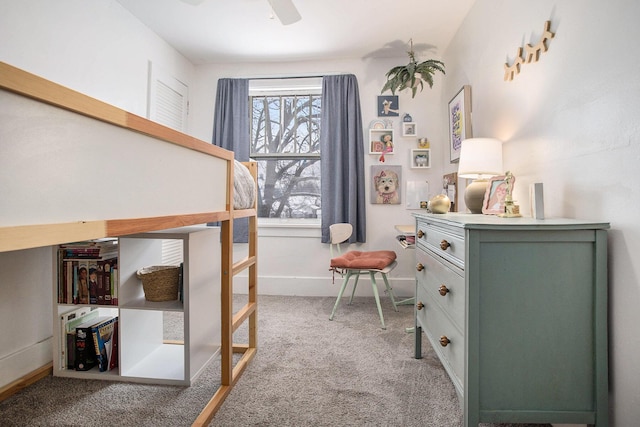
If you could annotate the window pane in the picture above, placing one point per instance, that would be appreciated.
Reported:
(285, 141)
(289, 188)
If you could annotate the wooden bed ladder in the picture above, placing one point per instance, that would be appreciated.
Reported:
(231, 322)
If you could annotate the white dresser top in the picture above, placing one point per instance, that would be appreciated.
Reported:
(479, 221)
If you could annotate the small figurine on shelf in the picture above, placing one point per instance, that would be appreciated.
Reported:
(423, 143)
(388, 146)
(511, 210)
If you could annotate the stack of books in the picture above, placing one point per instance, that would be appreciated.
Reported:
(88, 272)
(88, 340)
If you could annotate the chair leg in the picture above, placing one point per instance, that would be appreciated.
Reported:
(342, 288)
(377, 296)
(391, 294)
(355, 284)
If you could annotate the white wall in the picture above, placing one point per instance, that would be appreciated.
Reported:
(94, 47)
(569, 121)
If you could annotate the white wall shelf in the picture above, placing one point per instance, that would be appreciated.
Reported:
(420, 158)
(379, 140)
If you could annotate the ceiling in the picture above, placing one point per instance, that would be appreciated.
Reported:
(219, 31)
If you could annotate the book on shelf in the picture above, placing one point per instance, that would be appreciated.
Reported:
(92, 280)
(68, 323)
(107, 269)
(81, 282)
(85, 354)
(113, 357)
(103, 336)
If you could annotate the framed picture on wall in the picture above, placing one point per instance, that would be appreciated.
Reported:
(385, 184)
(388, 106)
(459, 121)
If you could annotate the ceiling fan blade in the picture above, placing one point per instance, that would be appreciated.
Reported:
(286, 11)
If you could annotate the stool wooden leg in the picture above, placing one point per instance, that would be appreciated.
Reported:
(377, 296)
(342, 288)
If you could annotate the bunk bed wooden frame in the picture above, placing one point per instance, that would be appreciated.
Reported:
(18, 236)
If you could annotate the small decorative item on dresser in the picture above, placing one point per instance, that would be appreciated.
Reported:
(439, 204)
(536, 200)
(511, 210)
(495, 195)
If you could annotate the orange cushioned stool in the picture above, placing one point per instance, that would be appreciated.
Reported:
(353, 263)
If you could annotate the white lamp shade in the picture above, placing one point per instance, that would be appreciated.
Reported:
(480, 158)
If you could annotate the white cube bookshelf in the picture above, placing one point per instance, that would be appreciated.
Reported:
(144, 353)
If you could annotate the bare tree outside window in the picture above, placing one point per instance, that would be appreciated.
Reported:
(285, 141)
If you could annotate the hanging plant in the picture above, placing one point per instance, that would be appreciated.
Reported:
(413, 75)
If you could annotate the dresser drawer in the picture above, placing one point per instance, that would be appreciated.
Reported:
(444, 283)
(445, 242)
(436, 326)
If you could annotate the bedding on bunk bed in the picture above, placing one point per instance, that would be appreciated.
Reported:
(244, 186)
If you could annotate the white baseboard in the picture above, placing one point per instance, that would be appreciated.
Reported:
(16, 365)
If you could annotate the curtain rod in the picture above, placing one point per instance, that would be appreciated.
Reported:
(285, 77)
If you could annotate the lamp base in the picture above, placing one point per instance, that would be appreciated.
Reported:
(474, 195)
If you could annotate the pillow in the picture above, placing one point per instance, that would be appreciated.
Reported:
(244, 187)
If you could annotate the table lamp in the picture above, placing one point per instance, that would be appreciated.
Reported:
(480, 159)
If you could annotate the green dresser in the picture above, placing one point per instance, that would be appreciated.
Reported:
(516, 310)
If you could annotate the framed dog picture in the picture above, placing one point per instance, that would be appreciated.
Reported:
(385, 184)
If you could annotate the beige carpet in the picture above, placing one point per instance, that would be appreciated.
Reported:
(309, 371)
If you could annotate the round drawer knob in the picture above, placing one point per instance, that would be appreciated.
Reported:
(419, 267)
(443, 290)
(420, 234)
(419, 305)
(444, 341)
(444, 245)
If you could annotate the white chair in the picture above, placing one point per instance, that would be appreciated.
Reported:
(353, 263)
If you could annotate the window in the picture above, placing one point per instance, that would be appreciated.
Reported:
(285, 142)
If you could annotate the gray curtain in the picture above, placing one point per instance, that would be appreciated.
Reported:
(231, 131)
(342, 148)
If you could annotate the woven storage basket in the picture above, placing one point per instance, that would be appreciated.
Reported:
(160, 282)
